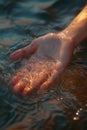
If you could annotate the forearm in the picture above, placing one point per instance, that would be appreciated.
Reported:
(77, 30)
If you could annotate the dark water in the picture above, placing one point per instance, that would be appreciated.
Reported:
(64, 108)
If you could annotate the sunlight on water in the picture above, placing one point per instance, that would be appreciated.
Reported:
(61, 108)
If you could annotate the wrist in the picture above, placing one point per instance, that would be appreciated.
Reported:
(67, 38)
(77, 30)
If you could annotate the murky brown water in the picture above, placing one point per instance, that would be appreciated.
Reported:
(64, 108)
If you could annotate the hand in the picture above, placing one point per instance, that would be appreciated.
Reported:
(48, 56)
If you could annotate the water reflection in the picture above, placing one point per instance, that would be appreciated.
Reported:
(63, 108)
(74, 81)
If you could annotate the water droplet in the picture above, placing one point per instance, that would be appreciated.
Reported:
(76, 118)
(77, 113)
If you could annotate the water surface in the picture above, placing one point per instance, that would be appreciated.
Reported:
(65, 107)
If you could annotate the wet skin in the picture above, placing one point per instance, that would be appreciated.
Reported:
(47, 57)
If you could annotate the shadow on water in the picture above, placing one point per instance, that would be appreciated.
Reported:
(65, 107)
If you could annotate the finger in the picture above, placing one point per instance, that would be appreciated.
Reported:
(19, 87)
(35, 84)
(23, 52)
(14, 80)
(27, 90)
(49, 81)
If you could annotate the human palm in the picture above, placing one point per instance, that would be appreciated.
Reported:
(47, 57)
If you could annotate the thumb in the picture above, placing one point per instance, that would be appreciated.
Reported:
(23, 52)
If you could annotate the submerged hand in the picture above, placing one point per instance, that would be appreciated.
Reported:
(48, 56)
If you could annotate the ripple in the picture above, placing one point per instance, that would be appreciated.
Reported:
(64, 107)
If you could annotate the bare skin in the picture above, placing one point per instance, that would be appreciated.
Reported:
(48, 56)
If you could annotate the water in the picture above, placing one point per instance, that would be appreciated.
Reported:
(64, 108)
